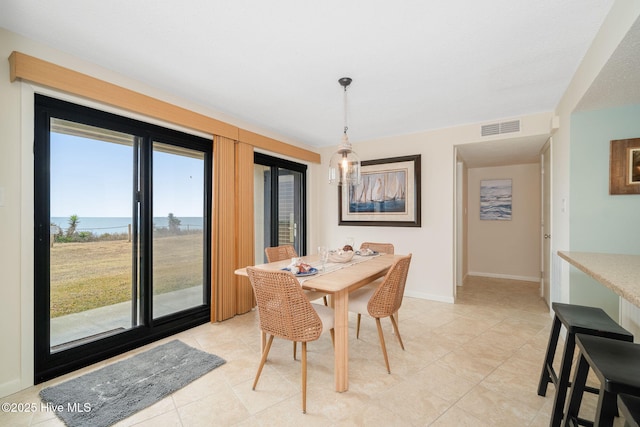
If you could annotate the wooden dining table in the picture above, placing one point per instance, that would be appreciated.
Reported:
(338, 281)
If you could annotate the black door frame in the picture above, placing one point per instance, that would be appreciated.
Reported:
(50, 365)
(275, 164)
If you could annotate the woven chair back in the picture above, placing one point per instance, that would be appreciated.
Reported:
(387, 298)
(385, 248)
(283, 308)
(280, 253)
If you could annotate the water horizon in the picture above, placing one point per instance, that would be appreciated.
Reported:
(114, 224)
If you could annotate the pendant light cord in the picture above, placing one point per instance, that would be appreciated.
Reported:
(345, 110)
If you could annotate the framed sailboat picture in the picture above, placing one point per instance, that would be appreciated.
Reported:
(389, 194)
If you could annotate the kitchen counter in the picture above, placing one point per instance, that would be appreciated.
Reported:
(620, 273)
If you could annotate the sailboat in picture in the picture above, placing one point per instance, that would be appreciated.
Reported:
(379, 192)
(388, 194)
(395, 188)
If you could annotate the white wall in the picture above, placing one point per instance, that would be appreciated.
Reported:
(621, 17)
(600, 222)
(506, 248)
(431, 274)
(15, 330)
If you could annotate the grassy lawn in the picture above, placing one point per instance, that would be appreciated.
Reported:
(95, 274)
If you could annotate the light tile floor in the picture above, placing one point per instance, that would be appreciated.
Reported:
(473, 363)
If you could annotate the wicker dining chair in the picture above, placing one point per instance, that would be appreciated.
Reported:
(283, 252)
(285, 312)
(280, 253)
(383, 248)
(383, 301)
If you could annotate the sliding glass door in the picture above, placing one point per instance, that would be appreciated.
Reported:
(280, 204)
(91, 249)
(178, 247)
(122, 234)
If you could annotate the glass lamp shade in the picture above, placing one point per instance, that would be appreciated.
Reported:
(344, 167)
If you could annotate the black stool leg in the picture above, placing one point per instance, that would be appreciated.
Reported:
(545, 378)
(577, 390)
(563, 381)
(607, 409)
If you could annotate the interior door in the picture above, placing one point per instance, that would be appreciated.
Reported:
(545, 158)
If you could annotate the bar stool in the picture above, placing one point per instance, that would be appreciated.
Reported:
(629, 407)
(616, 364)
(577, 319)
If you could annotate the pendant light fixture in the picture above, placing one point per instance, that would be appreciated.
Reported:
(344, 166)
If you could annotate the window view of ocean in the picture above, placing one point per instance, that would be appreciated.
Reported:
(113, 225)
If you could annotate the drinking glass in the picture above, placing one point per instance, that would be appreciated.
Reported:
(324, 255)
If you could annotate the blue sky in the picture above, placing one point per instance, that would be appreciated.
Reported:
(92, 178)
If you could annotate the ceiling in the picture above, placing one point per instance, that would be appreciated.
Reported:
(618, 83)
(415, 65)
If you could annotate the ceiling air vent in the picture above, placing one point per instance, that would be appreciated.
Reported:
(508, 127)
(493, 129)
(498, 128)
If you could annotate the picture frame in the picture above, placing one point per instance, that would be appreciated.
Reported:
(496, 199)
(389, 195)
(624, 166)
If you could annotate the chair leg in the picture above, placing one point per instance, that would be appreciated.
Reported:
(545, 378)
(395, 328)
(358, 326)
(563, 380)
(606, 409)
(397, 318)
(333, 337)
(577, 391)
(304, 377)
(384, 348)
(324, 298)
(265, 353)
(294, 350)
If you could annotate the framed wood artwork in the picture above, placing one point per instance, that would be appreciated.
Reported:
(624, 166)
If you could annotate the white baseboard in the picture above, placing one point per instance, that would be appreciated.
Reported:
(505, 276)
(439, 298)
(11, 387)
(463, 279)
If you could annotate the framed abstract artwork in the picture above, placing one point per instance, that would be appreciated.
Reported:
(495, 199)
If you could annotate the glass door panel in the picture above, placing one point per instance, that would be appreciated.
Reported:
(289, 208)
(279, 204)
(121, 234)
(93, 285)
(178, 238)
(262, 210)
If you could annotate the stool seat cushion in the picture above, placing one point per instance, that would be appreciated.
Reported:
(615, 363)
(590, 320)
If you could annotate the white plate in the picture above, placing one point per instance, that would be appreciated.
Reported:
(311, 272)
(372, 253)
